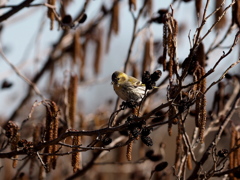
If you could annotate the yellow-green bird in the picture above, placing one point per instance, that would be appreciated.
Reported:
(128, 88)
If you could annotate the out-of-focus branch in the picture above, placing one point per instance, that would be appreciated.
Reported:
(15, 10)
(53, 59)
(31, 84)
(134, 34)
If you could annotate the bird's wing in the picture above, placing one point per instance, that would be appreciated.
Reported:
(135, 81)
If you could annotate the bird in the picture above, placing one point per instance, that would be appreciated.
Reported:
(128, 88)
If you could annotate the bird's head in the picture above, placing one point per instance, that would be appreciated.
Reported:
(119, 77)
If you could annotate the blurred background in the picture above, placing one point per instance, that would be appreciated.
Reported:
(90, 40)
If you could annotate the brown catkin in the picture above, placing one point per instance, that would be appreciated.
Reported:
(165, 40)
(197, 106)
(221, 24)
(37, 133)
(236, 13)
(14, 146)
(147, 56)
(115, 18)
(51, 115)
(149, 7)
(129, 151)
(31, 167)
(76, 156)
(83, 60)
(189, 162)
(171, 114)
(114, 25)
(238, 150)
(232, 154)
(72, 99)
(172, 29)
(200, 55)
(41, 174)
(135, 72)
(172, 111)
(55, 135)
(51, 14)
(203, 111)
(178, 148)
(198, 7)
(11, 130)
(77, 50)
(36, 140)
(13, 137)
(98, 54)
(132, 4)
(220, 97)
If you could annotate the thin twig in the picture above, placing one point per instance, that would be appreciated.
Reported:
(134, 34)
(14, 10)
(30, 83)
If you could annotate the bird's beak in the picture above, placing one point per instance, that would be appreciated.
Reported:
(114, 81)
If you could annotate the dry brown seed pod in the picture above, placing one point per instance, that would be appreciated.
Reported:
(161, 166)
(67, 19)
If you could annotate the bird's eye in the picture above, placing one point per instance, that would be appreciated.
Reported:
(118, 79)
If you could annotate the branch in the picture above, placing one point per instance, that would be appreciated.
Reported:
(30, 83)
(225, 121)
(15, 9)
(216, 64)
(134, 34)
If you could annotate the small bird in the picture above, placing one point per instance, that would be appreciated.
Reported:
(127, 87)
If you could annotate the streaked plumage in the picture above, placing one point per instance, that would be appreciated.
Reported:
(127, 87)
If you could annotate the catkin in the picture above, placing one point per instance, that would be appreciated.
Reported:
(36, 140)
(14, 148)
(98, 54)
(115, 18)
(231, 156)
(72, 99)
(178, 148)
(189, 162)
(114, 25)
(198, 7)
(132, 4)
(50, 131)
(77, 50)
(55, 147)
(76, 156)
(236, 13)
(147, 55)
(149, 7)
(222, 22)
(165, 40)
(51, 14)
(129, 151)
(203, 111)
